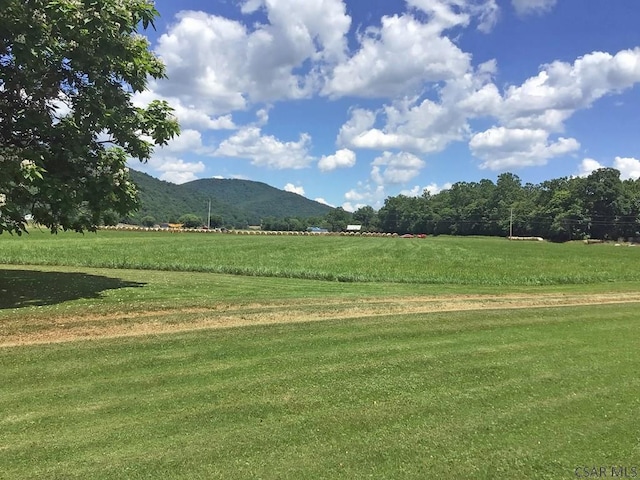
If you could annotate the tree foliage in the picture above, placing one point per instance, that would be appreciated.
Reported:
(148, 221)
(598, 206)
(190, 220)
(367, 217)
(337, 220)
(216, 221)
(68, 71)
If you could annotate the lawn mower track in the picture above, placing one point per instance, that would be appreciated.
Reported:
(20, 330)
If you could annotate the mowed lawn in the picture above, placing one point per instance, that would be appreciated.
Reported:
(534, 392)
(494, 394)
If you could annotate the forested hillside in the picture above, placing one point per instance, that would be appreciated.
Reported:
(258, 198)
(598, 206)
(234, 203)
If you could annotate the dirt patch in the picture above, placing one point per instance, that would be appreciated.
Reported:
(126, 324)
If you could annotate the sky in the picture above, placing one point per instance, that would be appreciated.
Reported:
(349, 102)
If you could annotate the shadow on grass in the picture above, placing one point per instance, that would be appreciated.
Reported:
(26, 288)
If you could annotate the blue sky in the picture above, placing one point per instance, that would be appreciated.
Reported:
(349, 102)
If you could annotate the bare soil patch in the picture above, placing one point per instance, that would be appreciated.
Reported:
(27, 331)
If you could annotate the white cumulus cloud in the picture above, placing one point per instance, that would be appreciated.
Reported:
(366, 193)
(397, 58)
(529, 114)
(629, 167)
(178, 171)
(432, 188)
(320, 25)
(188, 140)
(587, 166)
(189, 115)
(343, 158)
(290, 187)
(324, 202)
(503, 148)
(396, 168)
(427, 125)
(416, 191)
(220, 65)
(266, 150)
(561, 88)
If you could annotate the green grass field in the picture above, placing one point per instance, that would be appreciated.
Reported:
(147, 372)
(435, 260)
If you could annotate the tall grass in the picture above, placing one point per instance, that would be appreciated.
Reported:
(435, 260)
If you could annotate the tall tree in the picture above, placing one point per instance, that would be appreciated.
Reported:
(629, 219)
(602, 195)
(507, 192)
(393, 213)
(367, 217)
(337, 219)
(190, 220)
(68, 70)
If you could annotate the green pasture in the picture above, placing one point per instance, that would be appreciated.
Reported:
(491, 393)
(434, 260)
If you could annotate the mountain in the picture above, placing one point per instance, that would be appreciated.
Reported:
(258, 198)
(238, 202)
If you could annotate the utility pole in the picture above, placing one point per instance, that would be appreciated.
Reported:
(209, 215)
(511, 224)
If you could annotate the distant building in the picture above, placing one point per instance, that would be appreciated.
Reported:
(354, 228)
(317, 230)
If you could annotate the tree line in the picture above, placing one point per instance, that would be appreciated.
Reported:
(600, 206)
